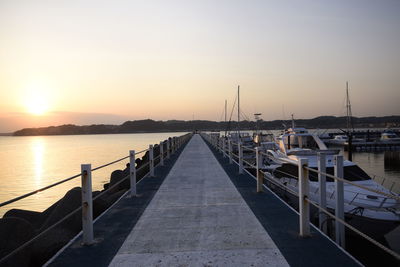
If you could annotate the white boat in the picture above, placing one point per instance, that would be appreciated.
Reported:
(372, 213)
(389, 136)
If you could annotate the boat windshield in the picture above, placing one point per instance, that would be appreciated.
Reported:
(300, 141)
(351, 173)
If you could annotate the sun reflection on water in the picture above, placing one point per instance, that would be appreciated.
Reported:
(38, 148)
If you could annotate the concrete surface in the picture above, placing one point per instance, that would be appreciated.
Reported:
(198, 218)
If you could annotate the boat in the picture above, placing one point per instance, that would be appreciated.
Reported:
(342, 139)
(370, 212)
(388, 136)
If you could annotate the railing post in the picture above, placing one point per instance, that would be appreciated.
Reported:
(161, 153)
(339, 199)
(304, 206)
(230, 151)
(132, 172)
(151, 160)
(322, 192)
(223, 147)
(260, 175)
(168, 148)
(240, 154)
(87, 204)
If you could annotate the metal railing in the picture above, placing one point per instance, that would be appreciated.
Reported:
(172, 145)
(219, 143)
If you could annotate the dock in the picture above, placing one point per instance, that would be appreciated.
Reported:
(198, 211)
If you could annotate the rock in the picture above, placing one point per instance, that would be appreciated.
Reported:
(71, 201)
(51, 242)
(13, 233)
(33, 217)
(117, 176)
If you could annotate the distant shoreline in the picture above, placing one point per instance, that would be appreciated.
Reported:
(151, 126)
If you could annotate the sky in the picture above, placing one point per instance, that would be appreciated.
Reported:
(85, 62)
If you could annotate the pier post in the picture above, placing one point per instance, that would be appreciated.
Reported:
(339, 199)
(322, 191)
(304, 206)
(161, 153)
(230, 151)
(168, 148)
(132, 172)
(223, 147)
(87, 204)
(151, 160)
(260, 175)
(240, 155)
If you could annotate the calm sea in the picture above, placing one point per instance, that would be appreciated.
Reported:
(31, 162)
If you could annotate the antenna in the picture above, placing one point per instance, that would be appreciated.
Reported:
(238, 97)
(257, 118)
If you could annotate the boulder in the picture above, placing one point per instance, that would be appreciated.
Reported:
(49, 244)
(71, 201)
(14, 232)
(117, 176)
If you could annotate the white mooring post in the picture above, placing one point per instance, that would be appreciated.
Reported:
(339, 199)
(151, 160)
(87, 204)
(304, 206)
(260, 175)
(161, 153)
(132, 172)
(322, 191)
(168, 148)
(230, 151)
(240, 150)
(223, 147)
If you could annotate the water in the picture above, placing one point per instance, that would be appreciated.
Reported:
(31, 162)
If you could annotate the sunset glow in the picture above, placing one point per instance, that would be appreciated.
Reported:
(165, 60)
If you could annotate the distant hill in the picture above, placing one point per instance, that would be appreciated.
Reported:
(148, 125)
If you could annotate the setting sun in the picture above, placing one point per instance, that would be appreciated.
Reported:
(36, 100)
(37, 106)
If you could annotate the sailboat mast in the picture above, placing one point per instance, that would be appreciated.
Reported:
(238, 110)
(348, 109)
(225, 117)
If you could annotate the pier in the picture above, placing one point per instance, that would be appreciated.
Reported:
(197, 210)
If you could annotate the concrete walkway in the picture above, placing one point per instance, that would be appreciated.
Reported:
(198, 218)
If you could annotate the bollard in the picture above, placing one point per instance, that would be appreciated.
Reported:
(132, 172)
(322, 192)
(151, 160)
(168, 148)
(260, 175)
(161, 153)
(240, 154)
(87, 204)
(230, 151)
(339, 199)
(304, 206)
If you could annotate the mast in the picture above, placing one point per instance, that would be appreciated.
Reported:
(293, 125)
(348, 110)
(238, 130)
(225, 118)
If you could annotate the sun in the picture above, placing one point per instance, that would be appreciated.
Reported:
(36, 104)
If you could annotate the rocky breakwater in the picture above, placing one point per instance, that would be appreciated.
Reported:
(19, 226)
